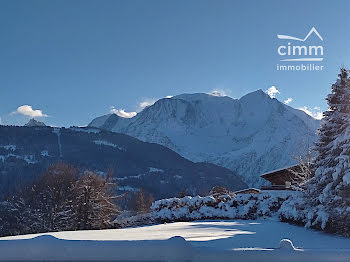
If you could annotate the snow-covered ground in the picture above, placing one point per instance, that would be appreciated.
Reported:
(201, 241)
(223, 235)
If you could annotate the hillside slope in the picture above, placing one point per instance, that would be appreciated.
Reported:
(25, 152)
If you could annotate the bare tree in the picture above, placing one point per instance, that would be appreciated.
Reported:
(60, 200)
(46, 205)
(54, 194)
(182, 193)
(220, 190)
(95, 202)
(142, 201)
(304, 171)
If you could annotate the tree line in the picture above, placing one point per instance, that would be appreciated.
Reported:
(62, 199)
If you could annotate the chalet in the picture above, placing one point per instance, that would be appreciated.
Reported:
(281, 179)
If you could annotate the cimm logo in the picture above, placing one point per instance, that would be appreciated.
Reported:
(296, 50)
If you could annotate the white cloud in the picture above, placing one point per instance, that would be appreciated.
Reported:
(217, 92)
(147, 102)
(272, 91)
(29, 111)
(288, 100)
(0, 121)
(315, 113)
(318, 115)
(142, 105)
(122, 112)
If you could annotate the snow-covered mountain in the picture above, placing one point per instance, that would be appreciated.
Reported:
(249, 135)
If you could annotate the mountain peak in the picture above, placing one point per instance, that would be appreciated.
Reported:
(209, 98)
(255, 94)
(193, 96)
(216, 96)
(110, 121)
(33, 122)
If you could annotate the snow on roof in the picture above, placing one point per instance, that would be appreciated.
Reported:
(247, 189)
(280, 169)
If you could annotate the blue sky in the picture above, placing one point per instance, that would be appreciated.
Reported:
(74, 60)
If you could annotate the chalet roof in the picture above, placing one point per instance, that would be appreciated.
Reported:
(280, 169)
(248, 189)
(280, 176)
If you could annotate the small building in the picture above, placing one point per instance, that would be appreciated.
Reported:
(281, 179)
(248, 191)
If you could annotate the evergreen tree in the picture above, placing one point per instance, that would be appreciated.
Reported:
(329, 189)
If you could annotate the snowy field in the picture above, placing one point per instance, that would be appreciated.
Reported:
(200, 241)
(222, 235)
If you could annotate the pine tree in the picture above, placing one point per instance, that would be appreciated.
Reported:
(329, 189)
